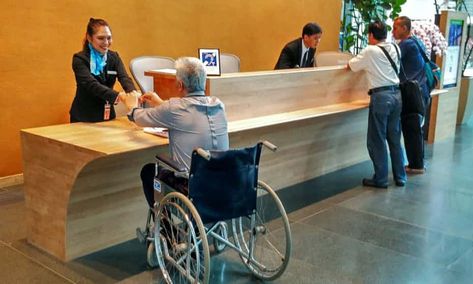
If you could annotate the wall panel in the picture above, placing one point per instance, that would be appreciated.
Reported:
(39, 37)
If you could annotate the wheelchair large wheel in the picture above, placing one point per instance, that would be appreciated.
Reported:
(180, 241)
(266, 246)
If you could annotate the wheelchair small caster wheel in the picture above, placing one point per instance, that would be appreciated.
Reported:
(151, 257)
(218, 245)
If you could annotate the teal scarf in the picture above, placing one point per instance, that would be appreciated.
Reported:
(97, 61)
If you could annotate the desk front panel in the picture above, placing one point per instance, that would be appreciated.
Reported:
(252, 94)
(309, 148)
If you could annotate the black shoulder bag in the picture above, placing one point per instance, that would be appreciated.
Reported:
(411, 92)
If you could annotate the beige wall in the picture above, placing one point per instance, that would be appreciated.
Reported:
(38, 38)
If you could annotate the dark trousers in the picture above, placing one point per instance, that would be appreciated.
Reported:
(413, 139)
(148, 172)
(384, 125)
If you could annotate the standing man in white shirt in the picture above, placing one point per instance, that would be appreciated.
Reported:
(384, 122)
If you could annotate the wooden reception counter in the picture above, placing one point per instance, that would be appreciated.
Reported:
(254, 94)
(82, 186)
(317, 117)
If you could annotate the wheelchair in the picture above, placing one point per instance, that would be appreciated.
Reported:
(227, 204)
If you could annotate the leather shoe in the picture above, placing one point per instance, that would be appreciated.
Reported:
(413, 171)
(400, 183)
(370, 182)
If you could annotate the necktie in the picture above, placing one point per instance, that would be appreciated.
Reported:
(304, 59)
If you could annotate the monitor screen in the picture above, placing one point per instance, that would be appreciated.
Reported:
(452, 60)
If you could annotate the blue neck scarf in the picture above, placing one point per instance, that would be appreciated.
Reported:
(97, 61)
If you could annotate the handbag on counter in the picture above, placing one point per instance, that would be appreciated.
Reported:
(411, 92)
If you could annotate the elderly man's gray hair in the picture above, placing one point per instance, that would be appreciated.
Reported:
(192, 73)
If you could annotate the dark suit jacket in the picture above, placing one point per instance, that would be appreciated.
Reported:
(94, 91)
(291, 56)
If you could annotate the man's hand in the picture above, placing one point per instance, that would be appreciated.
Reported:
(131, 100)
(151, 98)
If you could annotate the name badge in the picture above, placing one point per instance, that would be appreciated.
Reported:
(111, 72)
(106, 111)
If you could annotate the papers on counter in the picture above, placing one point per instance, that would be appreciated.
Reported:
(159, 131)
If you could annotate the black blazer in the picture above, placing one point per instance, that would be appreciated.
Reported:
(291, 56)
(92, 91)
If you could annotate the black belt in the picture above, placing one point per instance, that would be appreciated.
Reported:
(385, 88)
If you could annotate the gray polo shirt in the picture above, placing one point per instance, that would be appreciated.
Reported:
(193, 121)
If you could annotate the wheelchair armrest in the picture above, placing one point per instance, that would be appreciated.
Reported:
(204, 154)
(269, 145)
(170, 163)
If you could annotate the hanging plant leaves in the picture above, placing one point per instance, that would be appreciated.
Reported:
(357, 16)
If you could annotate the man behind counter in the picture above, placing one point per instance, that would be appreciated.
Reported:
(300, 52)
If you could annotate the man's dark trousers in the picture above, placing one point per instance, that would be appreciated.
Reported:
(413, 139)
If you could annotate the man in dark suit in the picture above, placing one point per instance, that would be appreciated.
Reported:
(300, 52)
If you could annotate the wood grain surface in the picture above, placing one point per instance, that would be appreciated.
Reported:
(82, 185)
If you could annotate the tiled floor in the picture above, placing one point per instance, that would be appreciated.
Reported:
(342, 232)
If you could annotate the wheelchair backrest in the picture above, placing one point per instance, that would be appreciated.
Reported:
(224, 187)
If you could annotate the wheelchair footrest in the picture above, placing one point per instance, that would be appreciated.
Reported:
(141, 235)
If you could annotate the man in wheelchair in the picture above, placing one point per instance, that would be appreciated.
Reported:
(222, 196)
(193, 120)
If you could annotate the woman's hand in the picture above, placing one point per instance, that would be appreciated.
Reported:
(121, 97)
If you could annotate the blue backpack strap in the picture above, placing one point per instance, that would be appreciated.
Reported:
(422, 51)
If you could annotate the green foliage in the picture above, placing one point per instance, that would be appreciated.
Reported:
(359, 13)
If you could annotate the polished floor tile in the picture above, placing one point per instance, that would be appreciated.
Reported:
(11, 222)
(426, 215)
(74, 271)
(16, 268)
(354, 259)
(387, 233)
(464, 264)
(315, 208)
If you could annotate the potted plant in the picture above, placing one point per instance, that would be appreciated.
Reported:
(431, 36)
(358, 14)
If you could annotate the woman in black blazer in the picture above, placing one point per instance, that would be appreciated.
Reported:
(96, 69)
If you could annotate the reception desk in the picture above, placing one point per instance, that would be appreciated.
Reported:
(256, 94)
(82, 186)
(283, 91)
(465, 101)
(443, 114)
(317, 117)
